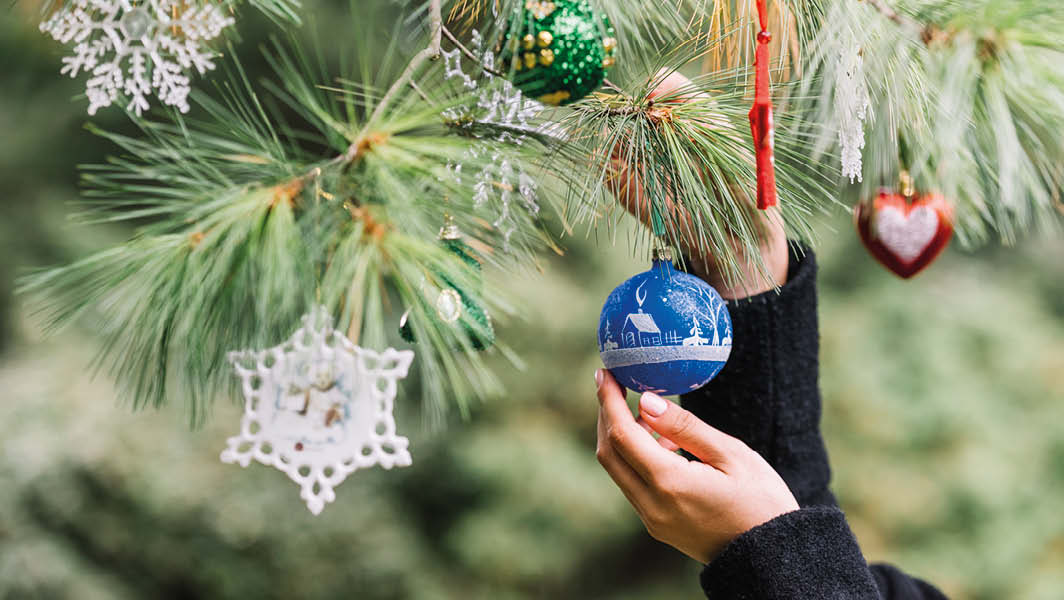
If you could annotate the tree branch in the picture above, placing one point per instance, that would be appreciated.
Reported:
(432, 52)
(926, 32)
(420, 92)
(889, 12)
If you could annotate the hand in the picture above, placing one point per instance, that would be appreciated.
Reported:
(696, 507)
(628, 189)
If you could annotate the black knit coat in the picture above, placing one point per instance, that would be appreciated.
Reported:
(768, 396)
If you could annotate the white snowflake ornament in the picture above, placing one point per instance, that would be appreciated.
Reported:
(319, 408)
(137, 49)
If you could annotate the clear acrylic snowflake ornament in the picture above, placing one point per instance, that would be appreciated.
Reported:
(137, 48)
(319, 408)
(500, 184)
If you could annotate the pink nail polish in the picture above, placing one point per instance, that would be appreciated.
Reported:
(598, 378)
(653, 404)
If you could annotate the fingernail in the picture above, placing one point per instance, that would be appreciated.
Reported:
(598, 378)
(653, 404)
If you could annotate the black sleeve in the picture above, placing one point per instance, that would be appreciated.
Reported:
(895, 585)
(809, 553)
(768, 395)
(806, 554)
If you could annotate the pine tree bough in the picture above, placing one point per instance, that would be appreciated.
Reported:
(431, 52)
(969, 109)
(893, 15)
(927, 33)
(249, 214)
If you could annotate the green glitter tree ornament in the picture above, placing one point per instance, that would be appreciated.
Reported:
(451, 303)
(560, 50)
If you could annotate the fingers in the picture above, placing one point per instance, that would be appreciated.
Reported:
(627, 187)
(627, 183)
(712, 446)
(665, 443)
(631, 442)
(672, 82)
(631, 484)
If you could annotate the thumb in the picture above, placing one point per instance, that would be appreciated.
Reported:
(711, 445)
(669, 82)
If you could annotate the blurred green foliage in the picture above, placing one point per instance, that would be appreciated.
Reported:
(944, 413)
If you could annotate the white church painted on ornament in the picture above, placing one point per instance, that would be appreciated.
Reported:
(640, 330)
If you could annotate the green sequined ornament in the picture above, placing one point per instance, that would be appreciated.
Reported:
(450, 303)
(560, 51)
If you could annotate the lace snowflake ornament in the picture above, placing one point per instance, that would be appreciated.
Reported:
(319, 408)
(137, 49)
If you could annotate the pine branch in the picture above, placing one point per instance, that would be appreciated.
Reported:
(329, 192)
(692, 149)
(893, 15)
(431, 52)
(968, 105)
(253, 218)
(926, 32)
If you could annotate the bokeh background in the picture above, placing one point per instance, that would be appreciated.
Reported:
(944, 415)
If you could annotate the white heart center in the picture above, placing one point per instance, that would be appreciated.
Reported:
(906, 237)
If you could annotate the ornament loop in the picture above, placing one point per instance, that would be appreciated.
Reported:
(449, 231)
(905, 181)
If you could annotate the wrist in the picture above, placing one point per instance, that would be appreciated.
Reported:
(752, 279)
(757, 274)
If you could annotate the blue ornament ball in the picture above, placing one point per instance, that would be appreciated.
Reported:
(664, 331)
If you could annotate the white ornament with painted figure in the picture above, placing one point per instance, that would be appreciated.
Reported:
(319, 408)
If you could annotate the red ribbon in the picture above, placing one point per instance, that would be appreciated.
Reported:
(761, 124)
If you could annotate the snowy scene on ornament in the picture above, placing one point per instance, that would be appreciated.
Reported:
(319, 408)
(136, 49)
(664, 331)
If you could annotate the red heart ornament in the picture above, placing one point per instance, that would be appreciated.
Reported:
(905, 235)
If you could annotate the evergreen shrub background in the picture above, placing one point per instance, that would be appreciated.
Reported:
(944, 413)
